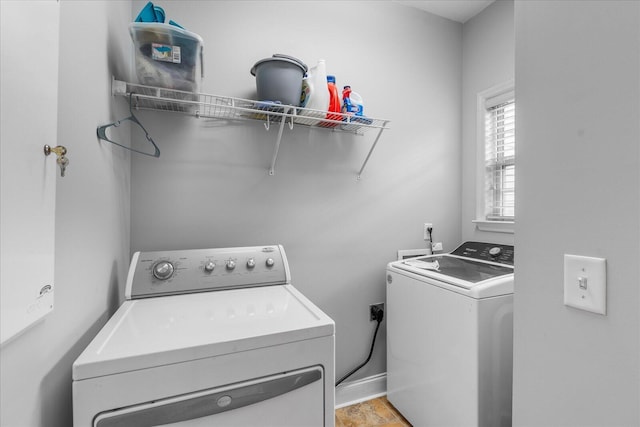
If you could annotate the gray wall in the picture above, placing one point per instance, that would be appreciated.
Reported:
(578, 91)
(488, 57)
(210, 187)
(92, 219)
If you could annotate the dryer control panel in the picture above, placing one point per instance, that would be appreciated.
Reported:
(492, 252)
(161, 273)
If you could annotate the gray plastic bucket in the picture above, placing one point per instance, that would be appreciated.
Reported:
(279, 79)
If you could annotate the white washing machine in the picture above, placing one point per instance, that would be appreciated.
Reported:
(209, 337)
(450, 337)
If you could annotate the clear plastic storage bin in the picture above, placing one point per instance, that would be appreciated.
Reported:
(167, 56)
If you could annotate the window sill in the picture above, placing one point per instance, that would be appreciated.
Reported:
(494, 226)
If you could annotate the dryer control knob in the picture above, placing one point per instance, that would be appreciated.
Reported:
(270, 262)
(162, 270)
(209, 266)
(251, 263)
(495, 251)
(231, 264)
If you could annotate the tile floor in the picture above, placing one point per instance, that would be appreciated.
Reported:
(371, 413)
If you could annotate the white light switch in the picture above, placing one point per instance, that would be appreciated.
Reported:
(585, 283)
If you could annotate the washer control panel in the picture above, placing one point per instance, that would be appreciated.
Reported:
(201, 270)
(502, 254)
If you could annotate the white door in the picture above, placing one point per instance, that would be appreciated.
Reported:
(30, 34)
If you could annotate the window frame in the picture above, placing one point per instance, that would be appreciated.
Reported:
(481, 222)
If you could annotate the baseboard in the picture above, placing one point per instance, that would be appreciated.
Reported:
(350, 393)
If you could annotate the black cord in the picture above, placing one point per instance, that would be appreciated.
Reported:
(379, 315)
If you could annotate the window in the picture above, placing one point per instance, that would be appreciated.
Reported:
(495, 209)
(499, 157)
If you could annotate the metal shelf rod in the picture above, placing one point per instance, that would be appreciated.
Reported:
(277, 148)
(371, 150)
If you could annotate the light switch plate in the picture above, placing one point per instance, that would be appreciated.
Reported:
(585, 283)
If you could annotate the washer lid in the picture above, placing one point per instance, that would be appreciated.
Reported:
(158, 331)
(474, 278)
(466, 271)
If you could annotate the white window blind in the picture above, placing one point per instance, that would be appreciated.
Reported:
(500, 146)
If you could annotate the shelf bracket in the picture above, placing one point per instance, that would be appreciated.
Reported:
(272, 170)
(384, 125)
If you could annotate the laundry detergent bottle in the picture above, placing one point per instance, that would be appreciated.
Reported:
(314, 96)
(334, 101)
(351, 102)
(347, 107)
(357, 104)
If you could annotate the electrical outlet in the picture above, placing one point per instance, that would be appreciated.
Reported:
(425, 230)
(436, 246)
(373, 308)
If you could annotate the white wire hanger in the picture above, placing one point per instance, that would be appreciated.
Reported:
(102, 134)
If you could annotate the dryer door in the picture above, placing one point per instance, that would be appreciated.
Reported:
(293, 399)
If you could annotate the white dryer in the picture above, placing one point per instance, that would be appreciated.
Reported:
(450, 337)
(209, 337)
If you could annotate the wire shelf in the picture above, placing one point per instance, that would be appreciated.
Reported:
(208, 106)
(218, 107)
